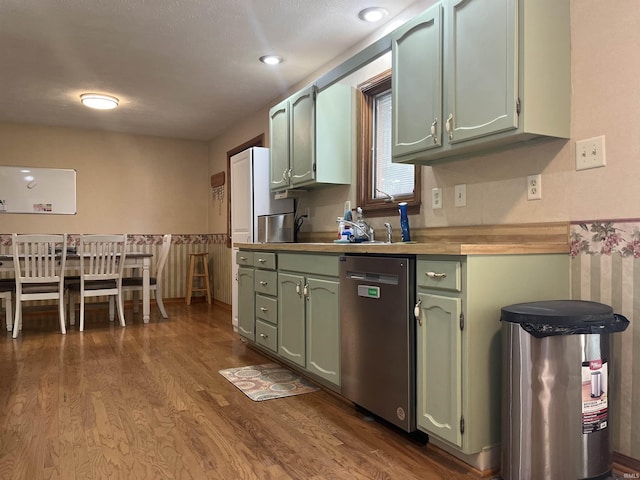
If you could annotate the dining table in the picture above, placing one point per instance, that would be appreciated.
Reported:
(136, 261)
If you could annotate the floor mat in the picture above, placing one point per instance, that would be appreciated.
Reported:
(268, 381)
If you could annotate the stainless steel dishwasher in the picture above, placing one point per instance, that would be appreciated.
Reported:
(378, 336)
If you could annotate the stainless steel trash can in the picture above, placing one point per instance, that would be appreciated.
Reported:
(556, 404)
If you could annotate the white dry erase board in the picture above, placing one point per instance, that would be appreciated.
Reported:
(37, 190)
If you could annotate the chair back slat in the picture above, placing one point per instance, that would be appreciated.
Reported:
(102, 256)
(39, 258)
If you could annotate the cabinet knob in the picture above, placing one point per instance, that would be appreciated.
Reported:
(436, 275)
(434, 130)
(416, 311)
(449, 126)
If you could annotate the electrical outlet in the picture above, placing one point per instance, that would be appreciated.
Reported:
(460, 192)
(590, 153)
(436, 197)
(534, 187)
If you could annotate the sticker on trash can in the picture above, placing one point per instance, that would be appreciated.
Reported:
(595, 411)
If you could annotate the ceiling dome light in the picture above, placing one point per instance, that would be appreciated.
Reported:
(271, 59)
(373, 14)
(99, 101)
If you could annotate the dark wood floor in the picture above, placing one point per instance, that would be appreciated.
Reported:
(147, 402)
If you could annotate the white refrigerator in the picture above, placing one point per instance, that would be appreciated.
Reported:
(250, 197)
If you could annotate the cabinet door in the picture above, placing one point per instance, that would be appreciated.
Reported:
(302, 136)
(246, 303)
(279, 146)
(481, 74)
(323, 329)
(291, 318)
(417, 84)
(439, 367)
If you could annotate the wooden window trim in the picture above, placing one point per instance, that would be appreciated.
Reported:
(377, 207)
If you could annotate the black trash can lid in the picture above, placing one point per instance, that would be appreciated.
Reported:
(564, 317)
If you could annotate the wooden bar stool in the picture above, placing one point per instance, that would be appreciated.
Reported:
(193, 257)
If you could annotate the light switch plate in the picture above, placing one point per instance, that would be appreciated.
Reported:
(590, 153)
(436, 197)
(460, 192)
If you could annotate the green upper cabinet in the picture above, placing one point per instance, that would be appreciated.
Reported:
(312, 138)
(480, 63)
(416, 84)
(475, 75)
(279, 145)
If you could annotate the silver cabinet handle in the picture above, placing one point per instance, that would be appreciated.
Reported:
(244, 259)
(298, 289)
(434, 130)
(263, 283)
(436, 275)
(305, 291)
(449, 126)
(284, 175)
(262, 309)
(416, 311)
(261, 260)
(264, 335)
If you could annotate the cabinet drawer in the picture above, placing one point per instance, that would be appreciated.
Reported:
(264, 260)
(266, 282)
(440, 274)
(244, 257)
(267, 335)
(267, 309)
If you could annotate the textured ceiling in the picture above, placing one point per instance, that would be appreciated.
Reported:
(181, 68)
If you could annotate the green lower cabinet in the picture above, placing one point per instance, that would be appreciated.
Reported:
(439, 349)
(323, 329)
(291, 318)
(246, 303)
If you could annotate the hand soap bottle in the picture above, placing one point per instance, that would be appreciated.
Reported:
(404, 222)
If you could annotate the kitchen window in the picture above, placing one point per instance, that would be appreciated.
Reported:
(381, 183)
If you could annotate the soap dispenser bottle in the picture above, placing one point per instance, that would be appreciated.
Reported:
(404, 222)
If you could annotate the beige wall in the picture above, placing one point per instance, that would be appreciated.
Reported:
(125, 183)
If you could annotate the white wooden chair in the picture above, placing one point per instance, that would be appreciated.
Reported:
(135, 283)
(101, 265)
(39, 262)
(7, 289)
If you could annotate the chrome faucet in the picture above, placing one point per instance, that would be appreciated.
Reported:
(361, 229)
(387, 226)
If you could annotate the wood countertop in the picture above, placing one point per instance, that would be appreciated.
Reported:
(508, 239)
(441, 248)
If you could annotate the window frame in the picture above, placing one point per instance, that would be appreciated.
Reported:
(377, 207)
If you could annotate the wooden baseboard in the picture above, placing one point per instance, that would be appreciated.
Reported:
(625, 464)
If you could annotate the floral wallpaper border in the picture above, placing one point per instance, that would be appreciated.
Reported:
(606, 237)
(146, 239)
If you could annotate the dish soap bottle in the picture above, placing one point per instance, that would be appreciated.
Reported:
(404, 222)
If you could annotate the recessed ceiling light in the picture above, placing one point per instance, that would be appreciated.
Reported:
(271, 59)
(99, 101)
(373, 14)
